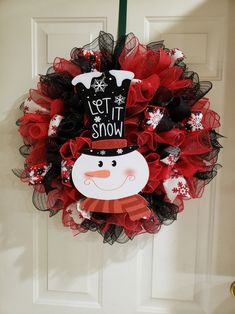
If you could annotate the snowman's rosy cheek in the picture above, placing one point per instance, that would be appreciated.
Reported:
(129, 172)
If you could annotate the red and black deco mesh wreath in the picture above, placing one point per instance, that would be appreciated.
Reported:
(167, 116)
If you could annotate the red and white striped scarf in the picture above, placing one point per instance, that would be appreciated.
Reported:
(136, 206)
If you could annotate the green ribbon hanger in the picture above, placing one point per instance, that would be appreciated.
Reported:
(122, 18)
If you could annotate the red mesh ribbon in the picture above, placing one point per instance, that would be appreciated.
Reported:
(34, 126)
(40, 99)
(63, 65)
(71, 148)
(143, 62)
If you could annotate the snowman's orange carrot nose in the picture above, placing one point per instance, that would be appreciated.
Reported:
(98, 173)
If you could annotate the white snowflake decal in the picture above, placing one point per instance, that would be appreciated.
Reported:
(195, 121)
(176, 55)
(181, 189)
(97, 119)
(102, 152)
(77, 214)
(119, 100)
(99, 85)
(154, 118)
(119, 151)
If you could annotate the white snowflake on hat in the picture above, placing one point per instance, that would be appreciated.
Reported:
(195, 121)
(99, 85)
(97, 119)
(119, 151)
(154, 118)
(119, 100)
(102, 152)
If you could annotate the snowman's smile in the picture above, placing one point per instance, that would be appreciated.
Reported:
(87, 182)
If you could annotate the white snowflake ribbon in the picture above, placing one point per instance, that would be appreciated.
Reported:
(174, 155)
(66, 170)
(54, 123)
(176, 55)
(170, 159)
(29, 106)
(77, 214)
(37, 173)
(176, 186)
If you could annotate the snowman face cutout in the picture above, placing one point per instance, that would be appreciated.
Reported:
(109, 178)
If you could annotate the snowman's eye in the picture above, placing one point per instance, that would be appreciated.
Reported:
(100, 163)
(114, 163)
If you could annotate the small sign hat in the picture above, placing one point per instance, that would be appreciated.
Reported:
(104, 96)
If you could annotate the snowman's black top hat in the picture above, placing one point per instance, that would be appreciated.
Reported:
(104, 96)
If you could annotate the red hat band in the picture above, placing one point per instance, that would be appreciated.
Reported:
(109, 144)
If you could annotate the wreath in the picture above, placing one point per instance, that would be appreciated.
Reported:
(118, 104)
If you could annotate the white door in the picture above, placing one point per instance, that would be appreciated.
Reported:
(185, 269)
